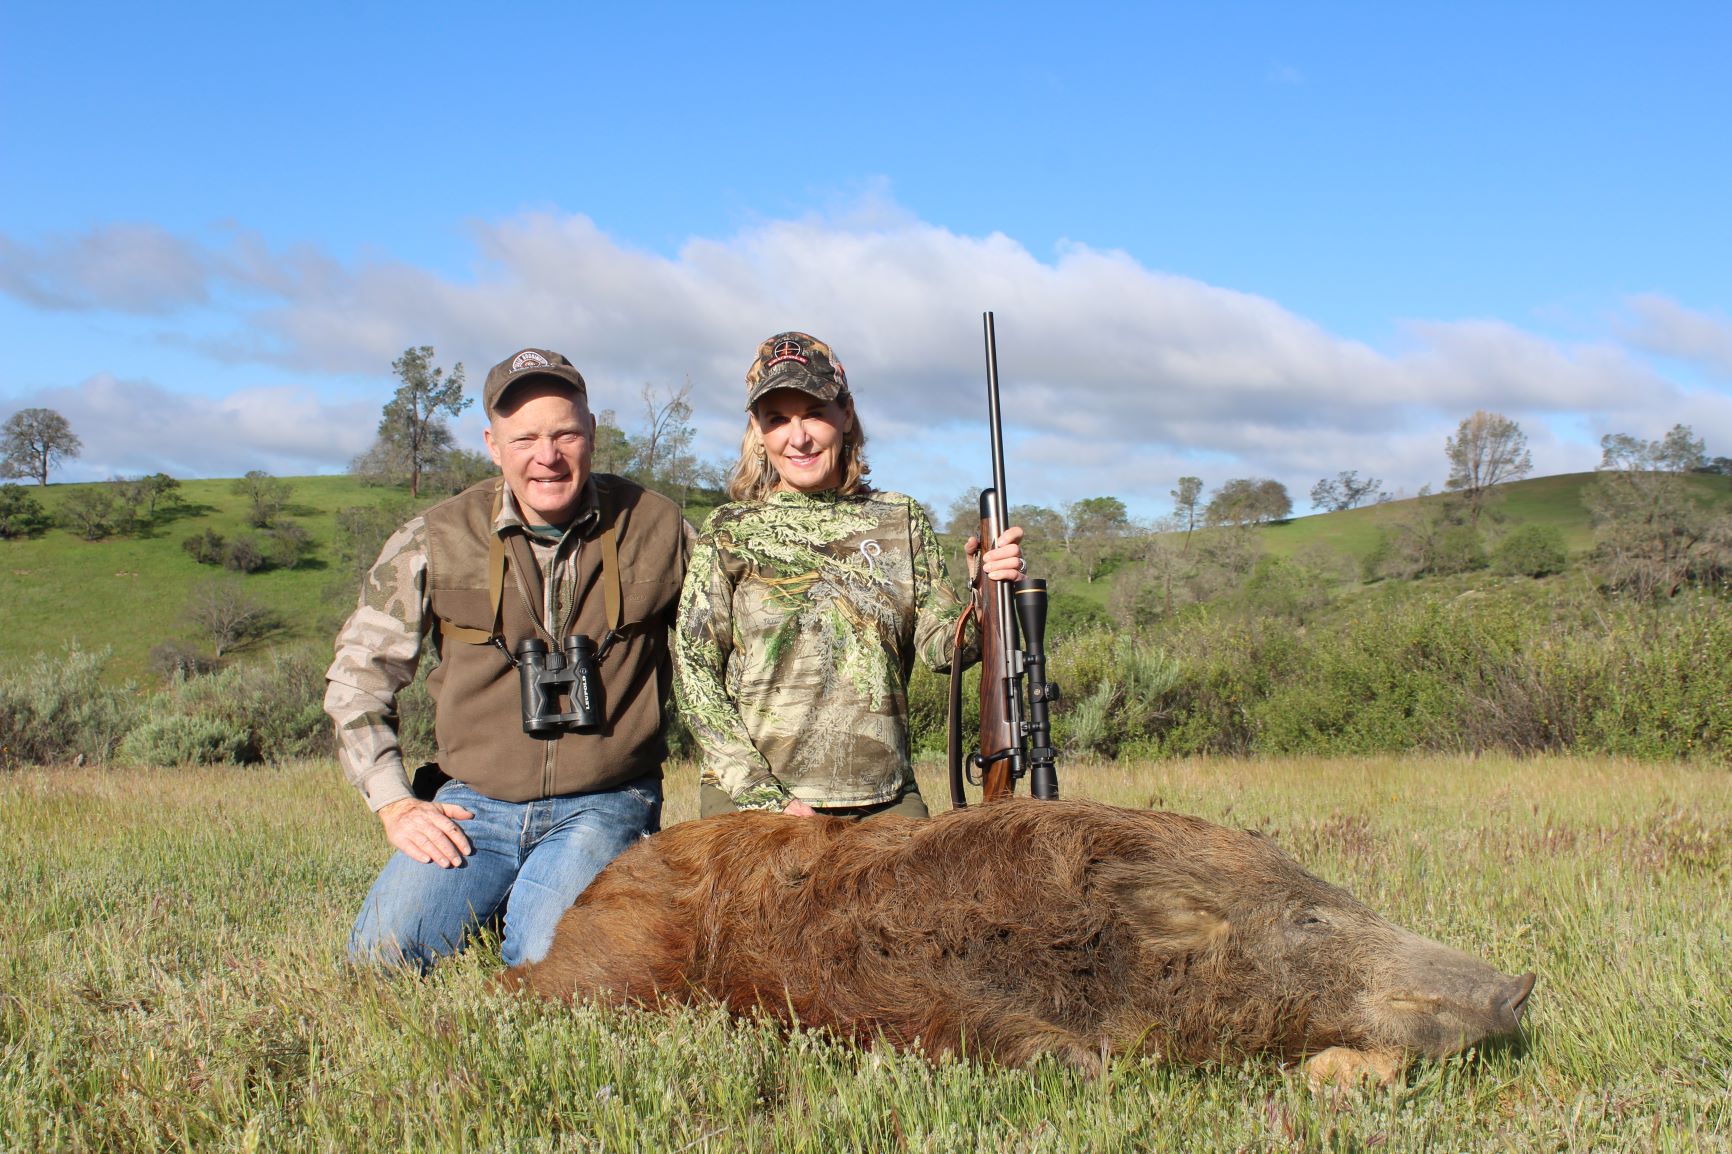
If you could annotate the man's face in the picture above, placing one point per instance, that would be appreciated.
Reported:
(541, 439)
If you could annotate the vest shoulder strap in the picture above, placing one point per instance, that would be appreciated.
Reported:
(495, 591)
(610, 588)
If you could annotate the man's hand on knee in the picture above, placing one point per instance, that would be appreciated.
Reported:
(427, 831)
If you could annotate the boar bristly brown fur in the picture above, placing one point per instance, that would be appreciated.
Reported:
(1017, 929)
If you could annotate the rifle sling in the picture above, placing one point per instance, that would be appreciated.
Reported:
(953, 731)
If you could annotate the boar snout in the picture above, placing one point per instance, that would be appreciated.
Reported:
(1513, 1001)
(1446, 1001)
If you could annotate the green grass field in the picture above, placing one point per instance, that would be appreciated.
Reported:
(128, 593)
(169, 980)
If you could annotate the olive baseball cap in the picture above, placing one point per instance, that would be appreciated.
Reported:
(524, 365)
(795, 361)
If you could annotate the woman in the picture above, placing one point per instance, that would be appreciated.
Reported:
(805, 604)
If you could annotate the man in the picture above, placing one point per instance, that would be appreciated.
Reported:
(546, 552)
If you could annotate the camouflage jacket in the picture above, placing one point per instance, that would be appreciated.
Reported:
(799, 624)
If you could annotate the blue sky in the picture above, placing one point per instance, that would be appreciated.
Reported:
(1225, 240)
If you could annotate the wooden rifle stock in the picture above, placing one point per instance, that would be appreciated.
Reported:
(1000, 708)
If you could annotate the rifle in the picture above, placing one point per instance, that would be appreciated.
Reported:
(1015, 734)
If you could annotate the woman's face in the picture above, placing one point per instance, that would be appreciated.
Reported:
(803, 439)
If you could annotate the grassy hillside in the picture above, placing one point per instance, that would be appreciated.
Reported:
(1549, 501)
(1554, 501)
(128, 593)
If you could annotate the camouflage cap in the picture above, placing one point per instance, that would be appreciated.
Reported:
(795, 361)
(525, 365)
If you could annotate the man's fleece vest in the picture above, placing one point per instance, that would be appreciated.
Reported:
(478, 716)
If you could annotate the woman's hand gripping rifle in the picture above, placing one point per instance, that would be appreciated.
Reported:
(1015, 734)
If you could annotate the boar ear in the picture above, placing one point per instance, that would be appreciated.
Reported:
(1171, 911)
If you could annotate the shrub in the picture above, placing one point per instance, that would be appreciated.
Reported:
(286, 544)
(361, 533)
(1117, 689)
(1664, 693)
(56, 708)
(179, 739)
(1137, 597)
(244, 555)
(1531, 551)
(21, 514)
(929, 709)
(89, 512)
(221, 609)
(1278, 587)
(1459, 549)
(172, 658)
(272, 710)
(206, 548)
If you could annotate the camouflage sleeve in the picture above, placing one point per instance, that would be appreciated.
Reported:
(702, 642)
(378, 650)
(936, 605)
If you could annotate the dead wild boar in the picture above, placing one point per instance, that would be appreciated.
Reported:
(1023, 928)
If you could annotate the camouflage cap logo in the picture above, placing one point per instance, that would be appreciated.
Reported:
(786, 350)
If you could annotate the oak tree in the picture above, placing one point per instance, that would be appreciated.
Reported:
(34, 441)
(1486, 450)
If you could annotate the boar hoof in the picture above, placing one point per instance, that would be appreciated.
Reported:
(1340, 1068)
(1090, 1063)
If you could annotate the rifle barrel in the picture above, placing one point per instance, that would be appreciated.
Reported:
(1000, 502)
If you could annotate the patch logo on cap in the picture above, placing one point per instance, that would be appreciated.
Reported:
(786, 351)
(529, 359)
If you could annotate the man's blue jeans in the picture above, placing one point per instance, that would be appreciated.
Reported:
(530, 859)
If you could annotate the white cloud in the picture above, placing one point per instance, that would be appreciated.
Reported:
(128, 268)
(1117, 377)
(1666, 327)
(131, 427)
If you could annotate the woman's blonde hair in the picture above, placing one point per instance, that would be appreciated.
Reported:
(752, 477)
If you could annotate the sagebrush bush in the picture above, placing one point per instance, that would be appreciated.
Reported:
(272, 710)
(1117, 686)
(187, 739)
(57, 709)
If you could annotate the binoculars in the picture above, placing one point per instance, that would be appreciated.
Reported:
(544, 676)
